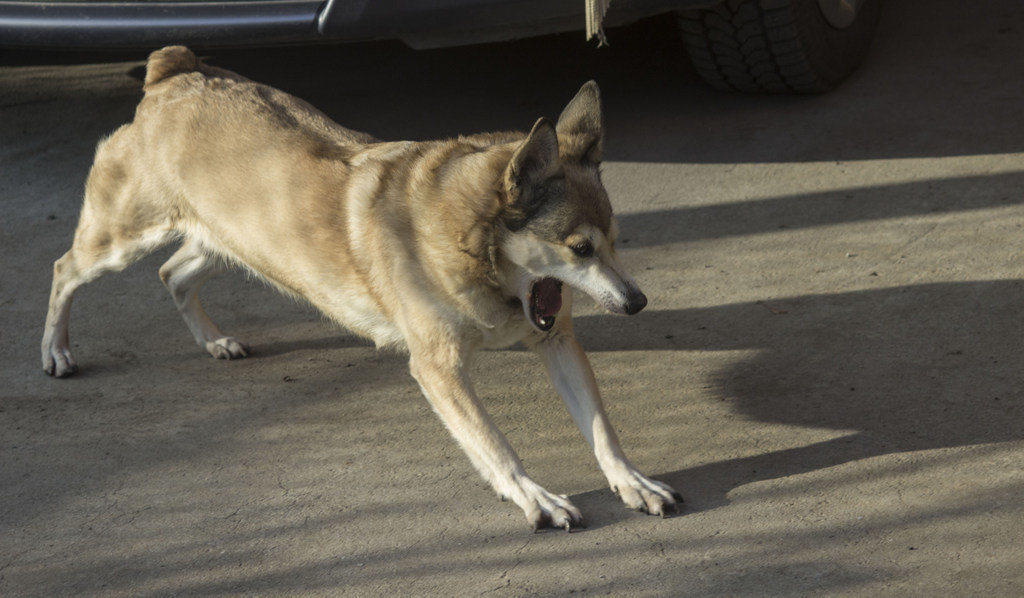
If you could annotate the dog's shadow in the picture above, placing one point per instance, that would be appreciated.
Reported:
(899, 369)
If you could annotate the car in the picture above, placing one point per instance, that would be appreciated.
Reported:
(802, 46)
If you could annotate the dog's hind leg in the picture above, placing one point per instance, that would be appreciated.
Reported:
(97, 249)
(121, 221)
(57, 359)
(183, 274)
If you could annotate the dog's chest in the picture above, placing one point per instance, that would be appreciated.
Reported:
(512, 331)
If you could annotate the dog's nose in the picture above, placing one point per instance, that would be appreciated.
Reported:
(637, 301)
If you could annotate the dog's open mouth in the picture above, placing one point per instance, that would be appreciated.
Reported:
(544, 302)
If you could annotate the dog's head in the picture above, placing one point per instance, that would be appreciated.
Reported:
(557, 219)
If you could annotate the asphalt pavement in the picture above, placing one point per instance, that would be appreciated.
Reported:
(828, 370)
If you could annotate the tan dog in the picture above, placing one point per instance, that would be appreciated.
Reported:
(436, 247)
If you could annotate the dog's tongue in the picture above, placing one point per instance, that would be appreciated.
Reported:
(548, 297)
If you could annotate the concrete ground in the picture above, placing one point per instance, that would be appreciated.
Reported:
(829, 368)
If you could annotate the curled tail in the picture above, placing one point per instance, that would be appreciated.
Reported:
(168, 62)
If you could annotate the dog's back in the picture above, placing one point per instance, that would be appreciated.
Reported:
(221, 160)
(177, 80)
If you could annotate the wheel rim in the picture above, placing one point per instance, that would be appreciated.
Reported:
(840, 13)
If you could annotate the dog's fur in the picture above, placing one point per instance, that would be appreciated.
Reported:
(437, 247)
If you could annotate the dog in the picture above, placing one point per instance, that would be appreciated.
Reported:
(437, 248)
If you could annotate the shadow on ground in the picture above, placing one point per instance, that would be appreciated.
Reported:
(658, 110)
(903, 369)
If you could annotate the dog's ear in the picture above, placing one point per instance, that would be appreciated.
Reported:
(580, 128)
(533, 162)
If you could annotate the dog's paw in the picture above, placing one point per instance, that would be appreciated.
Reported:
(641, 493)
(227, 347)
(544, 509)
(59, 363)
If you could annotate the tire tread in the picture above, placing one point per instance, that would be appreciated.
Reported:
(751, 45)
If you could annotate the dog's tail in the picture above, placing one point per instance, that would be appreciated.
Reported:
(169, 61)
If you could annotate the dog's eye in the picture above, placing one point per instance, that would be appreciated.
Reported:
(583, 249)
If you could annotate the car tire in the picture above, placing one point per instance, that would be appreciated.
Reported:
(785, 46)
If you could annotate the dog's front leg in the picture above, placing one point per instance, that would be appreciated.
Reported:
(573, 377)
(440, 369)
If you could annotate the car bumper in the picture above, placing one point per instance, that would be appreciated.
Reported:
(421, 23)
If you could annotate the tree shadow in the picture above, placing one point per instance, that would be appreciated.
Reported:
(841, 206)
